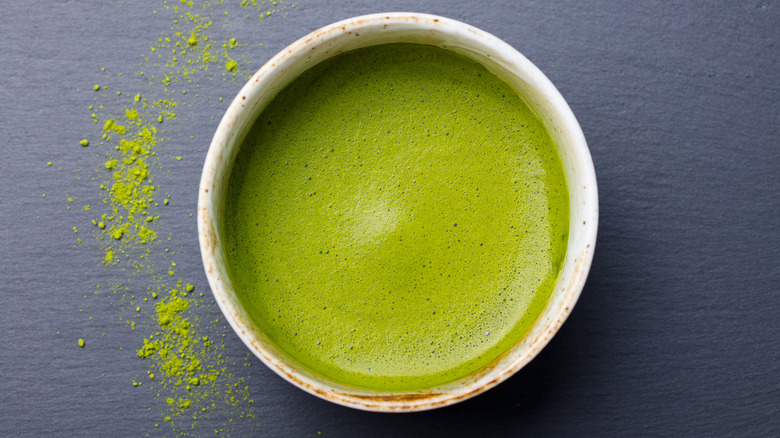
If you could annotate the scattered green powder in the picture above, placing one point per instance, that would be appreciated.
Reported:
(191, 376)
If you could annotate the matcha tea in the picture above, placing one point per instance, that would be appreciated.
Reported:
(396, 218)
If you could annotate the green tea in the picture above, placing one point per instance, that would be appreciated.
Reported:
(396, 217)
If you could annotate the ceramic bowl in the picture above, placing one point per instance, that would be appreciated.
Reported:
(499, 58)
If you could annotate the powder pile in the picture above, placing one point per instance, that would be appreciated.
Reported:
(188, 374)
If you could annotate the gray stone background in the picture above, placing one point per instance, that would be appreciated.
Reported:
(676, 333)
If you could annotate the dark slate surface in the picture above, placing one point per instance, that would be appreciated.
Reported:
(676, 333)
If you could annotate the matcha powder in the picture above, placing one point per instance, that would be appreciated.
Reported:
(137, 119)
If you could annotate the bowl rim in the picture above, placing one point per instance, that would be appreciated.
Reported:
(227, 136)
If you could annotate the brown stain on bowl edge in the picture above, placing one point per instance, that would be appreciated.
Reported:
(432, 400)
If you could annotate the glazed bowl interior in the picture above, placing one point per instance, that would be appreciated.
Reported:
(497, 57)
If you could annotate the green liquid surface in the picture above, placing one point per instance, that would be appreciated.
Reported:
(396, 218)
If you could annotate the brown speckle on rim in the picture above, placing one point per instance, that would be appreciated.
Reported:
(207, 190)
(435, 20)
(583, 222)
(212, 238)
(396, 397)
(243, 97)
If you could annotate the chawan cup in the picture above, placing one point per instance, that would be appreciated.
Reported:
(499, 58)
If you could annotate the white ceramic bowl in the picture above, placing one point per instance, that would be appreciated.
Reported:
(496, 56)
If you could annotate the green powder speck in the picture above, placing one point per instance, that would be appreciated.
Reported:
(81, 343)
(84, 142)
